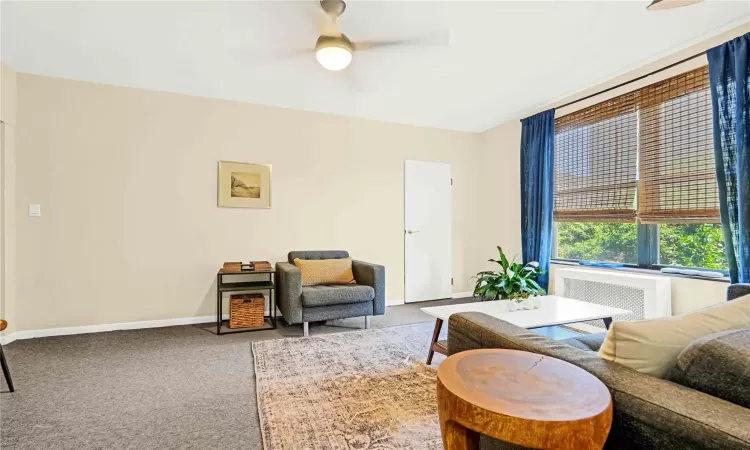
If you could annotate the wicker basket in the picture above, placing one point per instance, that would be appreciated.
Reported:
(246, 310)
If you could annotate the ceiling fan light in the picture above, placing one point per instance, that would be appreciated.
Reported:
(669, 4)
(334, 57)
(334, 52)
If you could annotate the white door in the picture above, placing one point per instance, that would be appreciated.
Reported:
(428, 237)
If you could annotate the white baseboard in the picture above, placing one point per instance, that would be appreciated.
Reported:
(7, 339)
(30, 334)
(65, 331)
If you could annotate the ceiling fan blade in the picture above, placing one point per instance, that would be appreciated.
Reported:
(284, 55)
(436, 40)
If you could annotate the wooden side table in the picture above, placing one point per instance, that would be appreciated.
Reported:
(522, 398)
(240, 286)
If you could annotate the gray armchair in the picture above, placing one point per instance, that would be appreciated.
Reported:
(304, 304)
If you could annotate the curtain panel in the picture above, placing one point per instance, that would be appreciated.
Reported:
(537, 189)
(729, 76)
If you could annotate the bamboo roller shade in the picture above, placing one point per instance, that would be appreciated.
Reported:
(654, 143)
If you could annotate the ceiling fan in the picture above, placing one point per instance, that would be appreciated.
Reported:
(669, 4)
(334, 50)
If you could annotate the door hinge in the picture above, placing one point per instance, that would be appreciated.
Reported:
(451, 281)
(451, 181)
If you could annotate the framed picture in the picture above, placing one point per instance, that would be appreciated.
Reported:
(243, 185)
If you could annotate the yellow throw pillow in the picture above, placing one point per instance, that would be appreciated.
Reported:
(325, 271)
(652, 346)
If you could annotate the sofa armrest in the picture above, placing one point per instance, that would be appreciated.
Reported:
(737, 290)
(289, 291)
(372, 275)
(649, 412)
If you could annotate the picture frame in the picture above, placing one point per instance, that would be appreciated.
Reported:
(244, 185)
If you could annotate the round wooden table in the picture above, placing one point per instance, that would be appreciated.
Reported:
(522, 398)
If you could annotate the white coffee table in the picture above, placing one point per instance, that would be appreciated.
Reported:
(552, 310)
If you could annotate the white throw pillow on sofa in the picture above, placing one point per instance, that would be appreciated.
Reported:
(652, 346)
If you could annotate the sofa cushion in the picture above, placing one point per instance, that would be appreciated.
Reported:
(652, 346)
(717, 364)
(336, 294)
(588, 342)
(325, 271)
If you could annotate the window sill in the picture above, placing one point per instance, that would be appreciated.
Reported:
(641, 271)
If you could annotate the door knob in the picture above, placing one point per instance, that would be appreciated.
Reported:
(412, 231)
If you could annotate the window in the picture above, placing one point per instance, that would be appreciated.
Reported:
(598, 241)
(635, 180)
(692, 245)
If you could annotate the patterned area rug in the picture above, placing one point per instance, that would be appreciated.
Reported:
(358, 390)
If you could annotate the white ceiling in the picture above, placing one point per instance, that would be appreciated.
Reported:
(504, 59)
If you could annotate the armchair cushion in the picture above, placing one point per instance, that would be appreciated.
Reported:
(317, 254)
(336, 294)
(327, 271)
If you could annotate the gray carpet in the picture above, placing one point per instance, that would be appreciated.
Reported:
(167, 388)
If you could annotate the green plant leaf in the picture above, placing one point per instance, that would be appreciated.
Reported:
(503, 259)
(534, 284)
(515, 280)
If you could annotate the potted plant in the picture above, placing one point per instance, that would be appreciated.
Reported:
(515, 281)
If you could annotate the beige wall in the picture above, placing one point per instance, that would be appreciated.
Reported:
(499, 219)
(501, 179)
(8, 94)
(126, 179)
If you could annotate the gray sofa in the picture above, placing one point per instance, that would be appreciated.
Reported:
(307, 304)
(690, 412)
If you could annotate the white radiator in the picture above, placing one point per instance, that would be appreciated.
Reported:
(646, 296)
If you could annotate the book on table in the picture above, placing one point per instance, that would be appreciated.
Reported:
(232, 267)
(252, 266)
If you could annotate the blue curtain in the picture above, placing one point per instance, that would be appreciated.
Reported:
(730, 98)
(537, 188)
